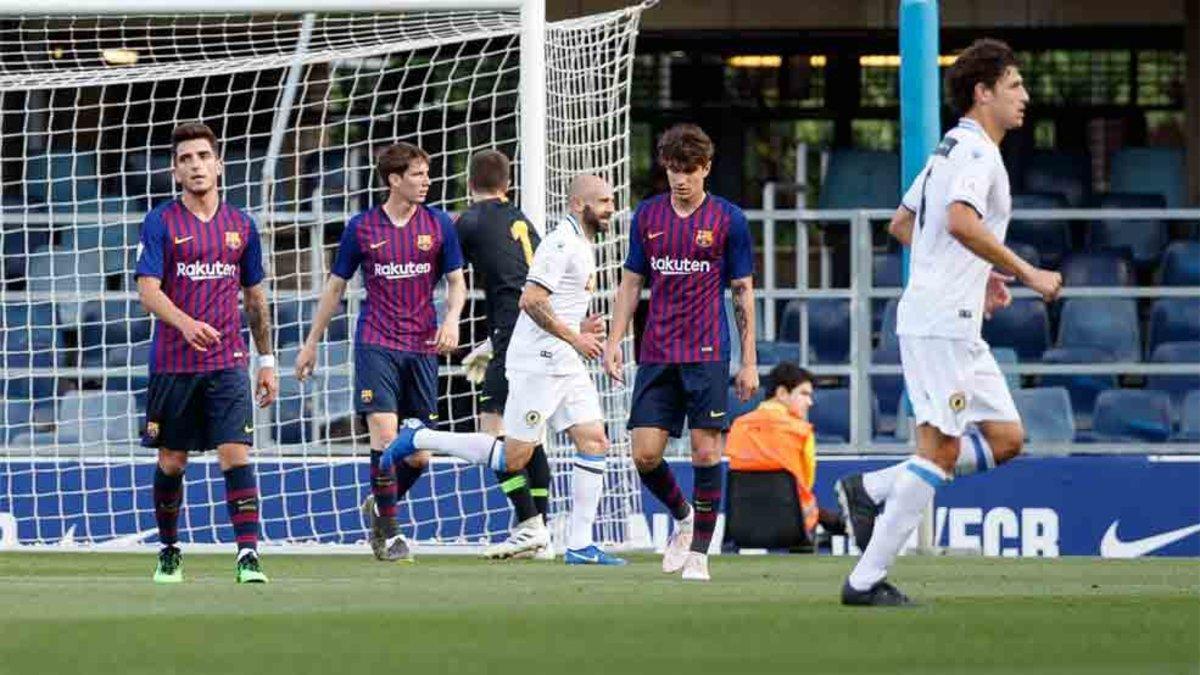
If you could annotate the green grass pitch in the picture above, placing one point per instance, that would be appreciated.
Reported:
(100, 613)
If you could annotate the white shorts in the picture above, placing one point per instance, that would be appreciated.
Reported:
(535, 400)
(953, 383)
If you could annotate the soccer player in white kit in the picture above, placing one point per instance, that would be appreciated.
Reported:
(548, 381)
(954, 216)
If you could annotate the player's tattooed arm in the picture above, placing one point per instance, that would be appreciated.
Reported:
(535, 301)
(259, 315)
(743, 314)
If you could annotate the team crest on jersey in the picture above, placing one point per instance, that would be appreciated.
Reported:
(424, 241)
(704, 238)
(532, 418)
(958, 401)
(233, 240)
(366, 395)
(152, 430)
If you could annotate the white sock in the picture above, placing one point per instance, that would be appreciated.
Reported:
(495, 458)
(587, 484)
(911, 493)
(878, 483)
(974, 454)
(473, 448)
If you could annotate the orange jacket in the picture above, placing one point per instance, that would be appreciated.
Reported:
(770, 438)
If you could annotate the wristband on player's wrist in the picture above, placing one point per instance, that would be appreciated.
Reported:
(266, 361)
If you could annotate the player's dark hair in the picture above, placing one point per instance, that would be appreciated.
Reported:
(489, 171)
(684, 147)
(787, 375)
(190, 131)
(396, 158)
(985, 61)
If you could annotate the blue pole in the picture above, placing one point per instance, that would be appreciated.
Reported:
(920, 91)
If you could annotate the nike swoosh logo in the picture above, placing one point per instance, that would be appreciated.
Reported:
(1112, 547)
(655, 235)
(715, 415)
(375, 246)
(248, 430)
(182, 240)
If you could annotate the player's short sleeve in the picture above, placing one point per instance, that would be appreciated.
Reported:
(550, 262)
(635, 260)
(971, 181)
(739, 247)
(151, 243)
(451, 257)
(349, 254)
(252, 260)
(912, 197)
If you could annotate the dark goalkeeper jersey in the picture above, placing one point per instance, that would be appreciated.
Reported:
(499, 241)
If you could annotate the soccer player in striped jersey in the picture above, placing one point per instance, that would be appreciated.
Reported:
(689, 246)
(954, 216)
(403, 248)
(195, 253)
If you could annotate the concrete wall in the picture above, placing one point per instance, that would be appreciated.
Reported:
(787, 14)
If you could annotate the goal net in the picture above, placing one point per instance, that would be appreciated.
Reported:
(301, 103)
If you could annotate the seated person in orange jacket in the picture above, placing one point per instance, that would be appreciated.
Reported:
(777, 436)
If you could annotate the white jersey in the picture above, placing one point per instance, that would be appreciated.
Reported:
(946, 281)
(565, 265)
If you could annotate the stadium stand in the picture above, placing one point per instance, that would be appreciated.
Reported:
(1108, 324)
(1141, 240)
(1131, 415)
(1096, 269)
(1063, 173)
(1046, 413)
(1173, 320)
(1083, 389)
(1156, 171)
(1181, 264)
(1189, 419)
(1024, 327)
(1176, 386)
(1050, 238)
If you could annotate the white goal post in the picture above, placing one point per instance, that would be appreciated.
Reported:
(301, 94)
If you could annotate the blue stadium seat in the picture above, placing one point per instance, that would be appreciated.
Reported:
(772, 353)
(1108, 324)
(1176, 386)
(1051, 238)
(887, 389)
(1158, 171)
(1181, 264)
(18, 245)
(860, 179)
(830, 415)
(886, 270)
(66, 271)
(148, 176)
(1007, 356)
(1046, 414)
(1142, 240)
(1132, 415)
(1064, 173)
(62, 178)
(1103, 268)
(1174, 320)
(1023, 326)
(28, 388)
(16, 418)
(99, 417)
(243, 178)
(111, 324)
(30, 325)
(1083, 388)
(829, 330)
(1189, 419)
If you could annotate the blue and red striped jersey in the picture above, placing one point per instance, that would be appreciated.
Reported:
(203, 266)
(400, 266)
(689, 263)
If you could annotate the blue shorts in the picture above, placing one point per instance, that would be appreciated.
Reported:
(392, 381)
(664, 393)
(195, 412)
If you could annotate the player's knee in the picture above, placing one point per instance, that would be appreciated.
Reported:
(645, 462)
(172, 463)
(418, 460)
(1008, 443)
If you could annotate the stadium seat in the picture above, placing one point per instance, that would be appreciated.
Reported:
(1108, 324)
(1023, 326)
(287, 322)
(17, 418)
(1158, 171)
(148, 176)
(772, 353)
(1051, 238)
(830, 415)
(1176, 386)
(1181, 264)
(829, 330)
(1083, 389)
(29, 388)
(30, 325)
(860, 179)
(243, 178)
(1174, 320)
(887, 389)
(1067, 174)
(1046, 414)
(886, 269)
(18, 246)
(1007, 356)
(736, 408)
(1142, 240)
(62, 178)
(99, 417)
(1132, 415)
(1189, 419)
(111, 324)
(1096, 269)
